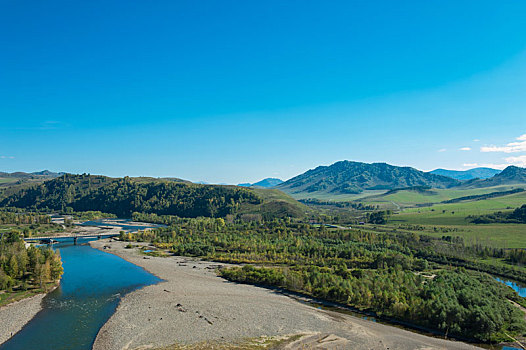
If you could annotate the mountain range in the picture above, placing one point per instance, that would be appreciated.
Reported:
(346, 177)
(480, 173)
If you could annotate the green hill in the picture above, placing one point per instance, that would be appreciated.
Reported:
(123, 196)
(346, 177)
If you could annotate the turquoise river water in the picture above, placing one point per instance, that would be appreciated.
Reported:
(89, 292)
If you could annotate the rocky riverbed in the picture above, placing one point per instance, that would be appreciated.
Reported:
(14, 316)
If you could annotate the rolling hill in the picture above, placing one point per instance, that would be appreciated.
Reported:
(346, 177)
(8, 180)
(480, 173)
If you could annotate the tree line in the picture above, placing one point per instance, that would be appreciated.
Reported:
(14, 218)
(27, 223)
(517, 216)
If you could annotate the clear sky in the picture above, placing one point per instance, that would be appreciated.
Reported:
(235, 91)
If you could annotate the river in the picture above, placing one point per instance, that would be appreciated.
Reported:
(521, 290)
(89, 292)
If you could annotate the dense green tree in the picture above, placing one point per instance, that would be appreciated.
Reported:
(24, 268)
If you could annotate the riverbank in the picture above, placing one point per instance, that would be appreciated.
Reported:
(15, 315)
(194, 305)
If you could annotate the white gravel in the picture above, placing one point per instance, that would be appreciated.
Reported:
(195, 305)
(15, 315)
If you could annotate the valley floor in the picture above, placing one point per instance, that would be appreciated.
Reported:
(194, 305)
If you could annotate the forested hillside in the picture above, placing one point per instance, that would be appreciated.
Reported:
(123, 196)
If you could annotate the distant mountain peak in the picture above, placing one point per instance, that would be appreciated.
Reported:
(265, 183)
(47, 173)
(21, 174)
(475, 173)
(513, 170)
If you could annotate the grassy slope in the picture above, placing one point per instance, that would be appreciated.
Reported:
(471, 207)
(404, 198)
(336, 197)
(276, 201)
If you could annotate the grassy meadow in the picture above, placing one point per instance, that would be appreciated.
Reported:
(6, 180)
(451, 219)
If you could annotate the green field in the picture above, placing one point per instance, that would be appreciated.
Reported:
(409, 198)
(440, 218)
(474, 207)
(6, 180)
(493, 235)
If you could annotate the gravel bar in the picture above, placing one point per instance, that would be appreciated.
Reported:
(15, 315)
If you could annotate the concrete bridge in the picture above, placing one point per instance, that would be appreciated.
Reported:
(67, 238)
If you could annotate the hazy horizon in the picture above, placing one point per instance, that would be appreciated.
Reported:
(241, 182)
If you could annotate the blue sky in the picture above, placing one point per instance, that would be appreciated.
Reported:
(235, 91)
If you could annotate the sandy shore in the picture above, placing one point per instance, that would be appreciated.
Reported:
(15, 315)
(195, 305)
